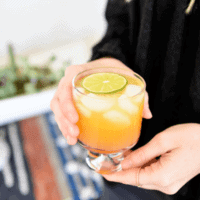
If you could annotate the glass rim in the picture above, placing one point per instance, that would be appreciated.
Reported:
(137, 76)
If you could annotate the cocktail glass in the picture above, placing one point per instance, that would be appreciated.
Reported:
(109, 124)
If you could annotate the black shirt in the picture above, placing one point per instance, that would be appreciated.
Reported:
(158, 40)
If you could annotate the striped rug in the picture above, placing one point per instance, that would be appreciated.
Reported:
(42, 166)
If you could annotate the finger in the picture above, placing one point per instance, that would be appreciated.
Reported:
(64, 124)
(71, 140)
(66, 127)
(146, 111)
(154, 148)
(146, 176)
(131, 177)
(65, 100)
(128, 177)
(66, 131)
(160, 171)
(126, 153)
(170, 190)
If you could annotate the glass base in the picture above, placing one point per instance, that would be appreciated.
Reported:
(104, 163)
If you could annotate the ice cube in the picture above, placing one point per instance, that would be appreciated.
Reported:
(117, 117)
(132, 90)
(123, 96)
(97, 103)
(127, 105)
(83, 110)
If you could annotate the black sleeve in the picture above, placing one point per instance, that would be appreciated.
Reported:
(115, 43)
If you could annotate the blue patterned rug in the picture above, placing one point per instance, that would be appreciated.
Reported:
(24, 176)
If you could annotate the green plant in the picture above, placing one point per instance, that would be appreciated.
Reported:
(27, 78)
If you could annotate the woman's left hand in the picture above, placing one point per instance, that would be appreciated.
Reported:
(179, 161)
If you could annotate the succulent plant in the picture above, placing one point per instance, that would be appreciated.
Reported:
(27, 78)
(7, 86)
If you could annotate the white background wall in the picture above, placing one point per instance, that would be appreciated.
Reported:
(38, 28)
(35, 26)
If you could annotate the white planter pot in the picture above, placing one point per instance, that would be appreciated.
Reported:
(19, 108)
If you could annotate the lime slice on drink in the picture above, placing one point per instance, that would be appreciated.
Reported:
(104, 83)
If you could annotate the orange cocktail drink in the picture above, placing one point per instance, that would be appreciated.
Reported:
(111, 122)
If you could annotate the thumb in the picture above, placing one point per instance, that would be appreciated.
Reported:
(144, 154)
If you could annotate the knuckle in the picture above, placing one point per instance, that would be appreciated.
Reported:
(65, 106)
(52, 104)
(171, 190)
(164, 181)
(70, 68)
(64, 130)
(60, 85)
(127, 181)
(162, 141)
(58, 121)
(61, 81)
(141, 156)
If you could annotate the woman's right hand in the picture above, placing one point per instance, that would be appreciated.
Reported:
(63, 108)
(62, 104)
